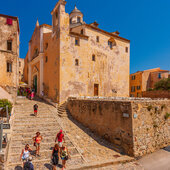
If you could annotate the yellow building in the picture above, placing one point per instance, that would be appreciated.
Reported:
(143, 80)
(9, 53)
(72, 58)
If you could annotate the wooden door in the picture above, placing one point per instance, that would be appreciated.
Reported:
(96, 89)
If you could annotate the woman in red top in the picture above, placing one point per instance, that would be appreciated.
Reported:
(60, 138)
(37, 140)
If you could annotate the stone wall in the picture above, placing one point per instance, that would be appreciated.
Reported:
(126, 122)
(156, 94)
(150, 125)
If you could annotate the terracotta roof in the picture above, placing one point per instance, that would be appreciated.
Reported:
(108, 33)
(8, 16)
(79, 35)
(46, 25)
(75, 10)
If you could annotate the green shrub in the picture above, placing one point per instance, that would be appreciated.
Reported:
(163, 84)
(3, 104)
(167, 116)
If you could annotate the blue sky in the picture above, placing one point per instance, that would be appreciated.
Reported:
(145, 22)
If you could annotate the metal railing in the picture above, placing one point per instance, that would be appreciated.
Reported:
(4, 124)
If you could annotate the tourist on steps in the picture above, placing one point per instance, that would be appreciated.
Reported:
(28, 165)
(64, 155)
(25, 154)
(55, 156)
(37, 140)
(60, 138)
(35, 109)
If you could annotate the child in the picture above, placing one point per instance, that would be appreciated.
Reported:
(35, 109)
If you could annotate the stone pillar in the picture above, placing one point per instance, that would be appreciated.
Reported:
(29, 64)
(29, 75)
(41, 74)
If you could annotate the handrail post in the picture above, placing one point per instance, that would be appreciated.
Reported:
(1, 134)
(7, 115)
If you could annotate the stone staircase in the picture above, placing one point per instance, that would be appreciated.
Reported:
(62, 110)
(25, 125)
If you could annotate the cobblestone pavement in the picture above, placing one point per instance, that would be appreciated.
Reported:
(127, 166)
(86, 149)
(93, 149)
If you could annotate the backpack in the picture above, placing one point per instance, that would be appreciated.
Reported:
(28, 166)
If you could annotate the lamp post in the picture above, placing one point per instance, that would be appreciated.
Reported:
(1, 134)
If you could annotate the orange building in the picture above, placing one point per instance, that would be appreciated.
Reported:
(72, 58)
(144, 80)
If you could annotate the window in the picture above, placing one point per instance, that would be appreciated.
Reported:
(77, 41)
(20, 64)
(82, 31)
(46, 59)
(138, 87)
(93, 58)
(96, 89)
(131, 95)
(9, 67)
(110, 44)
(46, 45)
(133, 77)
(9, 45)
(126, 49)
(159, 76)
(9, 21)
(133, 89)
(78, 19)
(70, 21)
(76, 62)
(56, 14)
(97, 39)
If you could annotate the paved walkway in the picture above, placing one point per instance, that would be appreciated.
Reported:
(87, 150)
(159, 160)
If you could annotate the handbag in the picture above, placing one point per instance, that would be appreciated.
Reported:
(66, 158)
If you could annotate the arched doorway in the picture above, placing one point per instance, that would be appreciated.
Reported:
(35, 83)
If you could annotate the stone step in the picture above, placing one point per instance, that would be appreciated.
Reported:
(49, 120)
(35, 129)
(46, 163)
(34, 119)
(35, 126)
(44, 146)
(32, 124)
(16, 136)
(44, 154)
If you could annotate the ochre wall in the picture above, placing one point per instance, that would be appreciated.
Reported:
(105, 118)
(136, 82)
(110, 70)
(7, 32)
(26, 69)
(51, 67)
(155, 79)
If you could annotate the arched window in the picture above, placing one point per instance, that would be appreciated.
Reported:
(78, 19)
(93, 57)
(76, 62)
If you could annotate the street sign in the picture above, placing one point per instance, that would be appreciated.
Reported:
(6, 126)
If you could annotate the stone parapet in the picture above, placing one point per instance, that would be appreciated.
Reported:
(139, 126)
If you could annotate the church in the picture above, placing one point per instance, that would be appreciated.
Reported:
(71, 58)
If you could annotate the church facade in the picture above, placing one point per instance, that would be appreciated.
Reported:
(72, 58)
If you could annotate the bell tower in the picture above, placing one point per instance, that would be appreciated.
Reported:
(57, 13)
